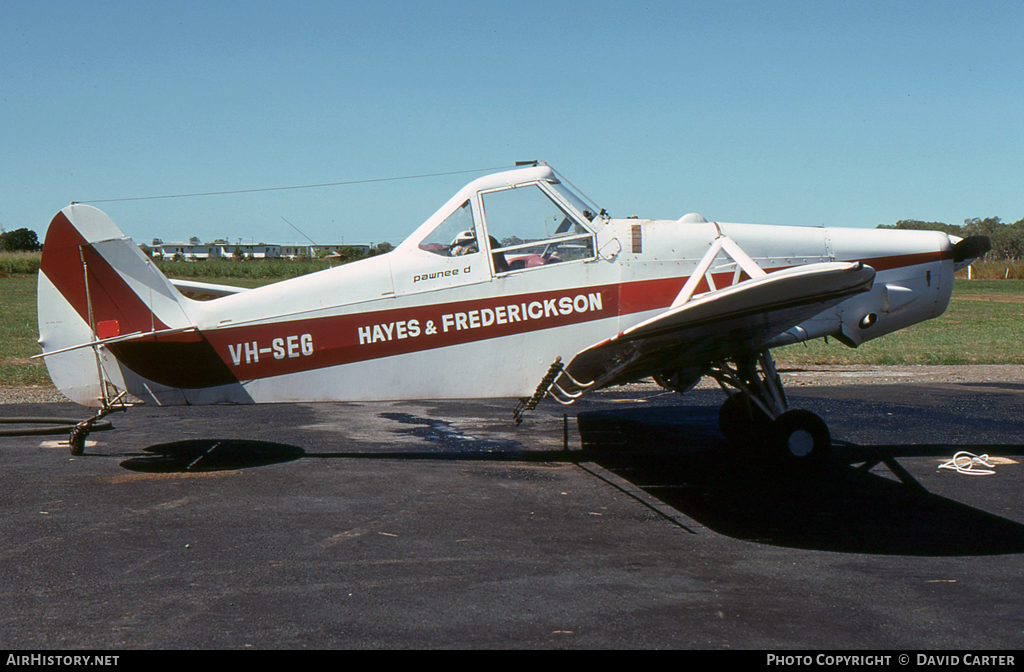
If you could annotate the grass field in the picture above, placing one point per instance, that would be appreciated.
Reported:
(18, 333)
(983, 325)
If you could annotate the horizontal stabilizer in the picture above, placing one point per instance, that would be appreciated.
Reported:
(204, 291)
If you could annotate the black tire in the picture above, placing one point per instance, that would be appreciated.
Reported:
(741, 421)
(800, 435)
(76, 441)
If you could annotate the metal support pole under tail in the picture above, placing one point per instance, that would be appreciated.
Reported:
(101, 376)
(112, 398)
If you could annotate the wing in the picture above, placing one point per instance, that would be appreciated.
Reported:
(734, 321)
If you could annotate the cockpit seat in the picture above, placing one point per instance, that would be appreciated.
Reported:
(500, 263)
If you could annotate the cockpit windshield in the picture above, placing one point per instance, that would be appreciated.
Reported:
(533, 223)
(527, 228)
(573, 200)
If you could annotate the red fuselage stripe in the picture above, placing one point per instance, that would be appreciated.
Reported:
(259, 351)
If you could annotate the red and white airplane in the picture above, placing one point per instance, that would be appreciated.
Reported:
(514, 288)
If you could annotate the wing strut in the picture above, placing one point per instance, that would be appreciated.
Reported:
(722, 243)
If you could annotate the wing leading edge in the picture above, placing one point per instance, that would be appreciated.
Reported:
(735, 321)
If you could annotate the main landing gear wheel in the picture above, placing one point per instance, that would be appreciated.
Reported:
(755, 412)
(800, 435)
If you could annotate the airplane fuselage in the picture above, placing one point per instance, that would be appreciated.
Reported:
(440, 318)
(455, 331)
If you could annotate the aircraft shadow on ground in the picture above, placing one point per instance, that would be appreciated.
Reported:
(441, 441)
(211, 455)
(679, 457)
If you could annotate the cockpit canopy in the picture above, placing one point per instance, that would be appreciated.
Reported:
(523, 219)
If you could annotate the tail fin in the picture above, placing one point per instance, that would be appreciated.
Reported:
(96, 284)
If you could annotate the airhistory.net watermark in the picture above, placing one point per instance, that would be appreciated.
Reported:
(49, 660)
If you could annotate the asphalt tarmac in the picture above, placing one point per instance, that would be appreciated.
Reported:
(441, 525)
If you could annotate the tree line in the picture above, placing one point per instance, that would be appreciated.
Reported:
(1007, 239)
(19, 240)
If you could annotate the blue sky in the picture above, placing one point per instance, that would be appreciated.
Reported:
(808, 113)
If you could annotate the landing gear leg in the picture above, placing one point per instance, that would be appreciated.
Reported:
(76, 439)
(756, 411)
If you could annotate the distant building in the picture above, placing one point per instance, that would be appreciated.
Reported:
(196, 250)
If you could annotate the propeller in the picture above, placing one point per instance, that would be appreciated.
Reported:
(971, 247)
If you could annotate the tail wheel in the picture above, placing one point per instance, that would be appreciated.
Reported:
(76, 441)
(741, 421)
(800, 434)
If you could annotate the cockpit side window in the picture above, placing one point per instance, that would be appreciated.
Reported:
(455, 236)
(528, 229)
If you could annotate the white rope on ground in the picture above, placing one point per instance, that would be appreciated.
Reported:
(965, 463)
